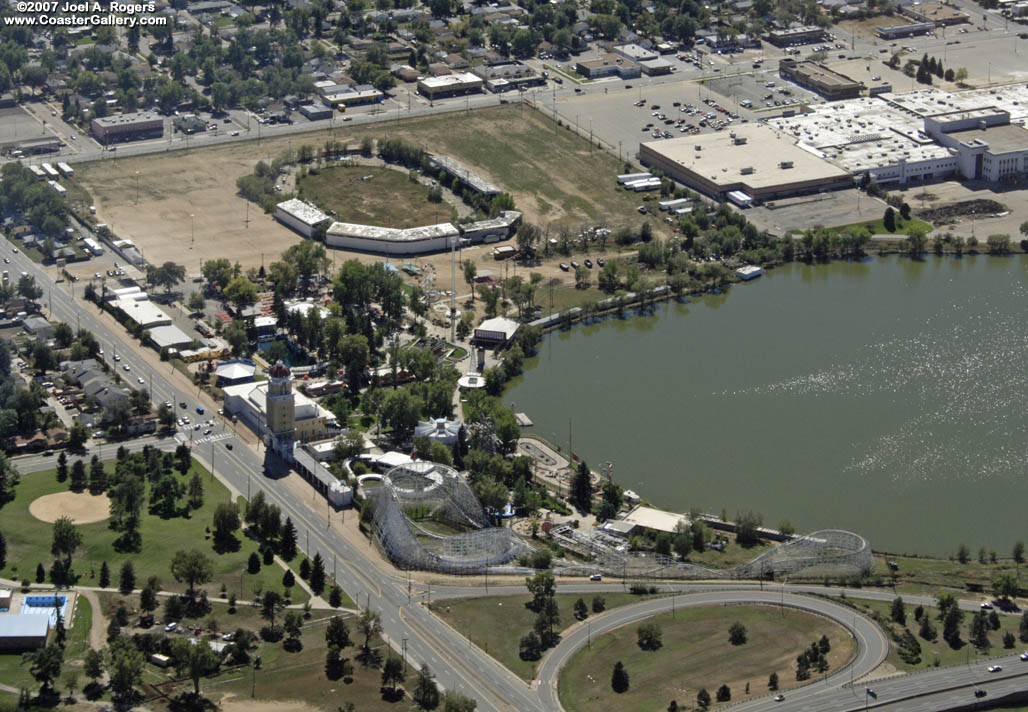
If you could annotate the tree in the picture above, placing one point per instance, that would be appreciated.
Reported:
(192, 568)
(426, 693)
(581, 610)
(724, 693)
(899, 612)
(337, 634)
(889, 220)
(737, 634)
(1018, 554)
(317, 579)
(951, 625)
(392, 674)
(194, 660)
(105, 575)
(78, 480)
(530, 647)
(226, 522)
(93, 666)
(543, 588)
(66, 539)
(293, 624)
(1022, 628)
(45, 666)
(271, 604)
(369, 623)
(1005, 585)
(963, 554)
(127, 578)
(619, 678)
(168, 275)
(287, 541)
(456, 702)
(125, 665)
(772, 681)
(241, 292)
(335, 597)
(703, 698)
(195, 491)
(649, 636)
(196, 302)
(582, 488)
(471, 271)
(979, 632)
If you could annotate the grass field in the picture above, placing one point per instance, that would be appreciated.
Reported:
(28, 543)
(939, 650)
(15, 674)
(476, 618)
(696, 653)
(916, 574)
(374, 201)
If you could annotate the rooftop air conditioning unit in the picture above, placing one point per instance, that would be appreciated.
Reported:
(785, 164)
(748, 170)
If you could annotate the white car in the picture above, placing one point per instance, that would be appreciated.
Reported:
(117, 357)
(170, 627)
(986, 606)
(779, 698)
(1024, 656)
(127, 367)
(140, 380)
(995, 668)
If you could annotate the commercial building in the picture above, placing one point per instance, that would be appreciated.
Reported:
(353, 96)
(339, 494)
(128, 127)
(609, 67)
(654, 520)
(808, 34)
(719, 163)
(896, 32)
(828, 83)
(987, 145)
(508, 76)
(392, 241)
(142, 311)
(433, 88)
(277, 413)
(935, 13)
(300, 216)
(316, 113)
(170, 337)
(438, 430)
(655, 67)
(635, 53)
(496, 332)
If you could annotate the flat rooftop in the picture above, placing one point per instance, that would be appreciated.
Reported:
(935, 12)
(720, 160)
(451, 80)
(122, 119)
(1012, 98)
(1001, 139)
(304, 212)
(813, 72)
(374, 232)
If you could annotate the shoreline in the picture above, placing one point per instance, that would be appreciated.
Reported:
(635, 305)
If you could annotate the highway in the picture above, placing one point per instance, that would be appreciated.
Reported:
(457, 664)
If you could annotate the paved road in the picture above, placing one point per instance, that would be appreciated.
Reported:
(457, 664)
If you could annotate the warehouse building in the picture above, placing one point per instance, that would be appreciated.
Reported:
(635, 53)
(392, 241)
(23, 631)
(313, 112)
(300, 216)
(128, 127)
(433, 88)
(720, 163)
(817, 77)
(896, 32)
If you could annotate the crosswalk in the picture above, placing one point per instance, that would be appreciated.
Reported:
(213, 438)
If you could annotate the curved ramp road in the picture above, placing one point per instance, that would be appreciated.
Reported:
(872, 646)
(460, 666)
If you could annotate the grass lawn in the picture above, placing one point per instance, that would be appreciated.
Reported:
(696, 653)
(553, 175)
(877, 227)
(300, 677)
(939, 650)
(13, 673)
(477, 618)
(28, 543)
(389, 199)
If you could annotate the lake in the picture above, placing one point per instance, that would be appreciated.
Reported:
(887, 397)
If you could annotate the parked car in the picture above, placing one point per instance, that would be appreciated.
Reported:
(170, 627)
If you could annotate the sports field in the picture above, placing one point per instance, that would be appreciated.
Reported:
(29, 539)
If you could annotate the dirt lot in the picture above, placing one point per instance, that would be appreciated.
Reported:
(82, 507)
(184, 206)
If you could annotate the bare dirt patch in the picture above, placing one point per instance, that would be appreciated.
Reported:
(946, 213)
(229, 703)
(81, 507)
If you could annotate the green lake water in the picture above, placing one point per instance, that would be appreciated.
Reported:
(887, 397)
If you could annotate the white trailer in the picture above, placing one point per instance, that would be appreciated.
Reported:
(50, 171)
(630, 177)
(740, 198)
(93, 246)
(37, 172)
(58, 188)
(672, 204)
(641, 185)
(66, 170)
